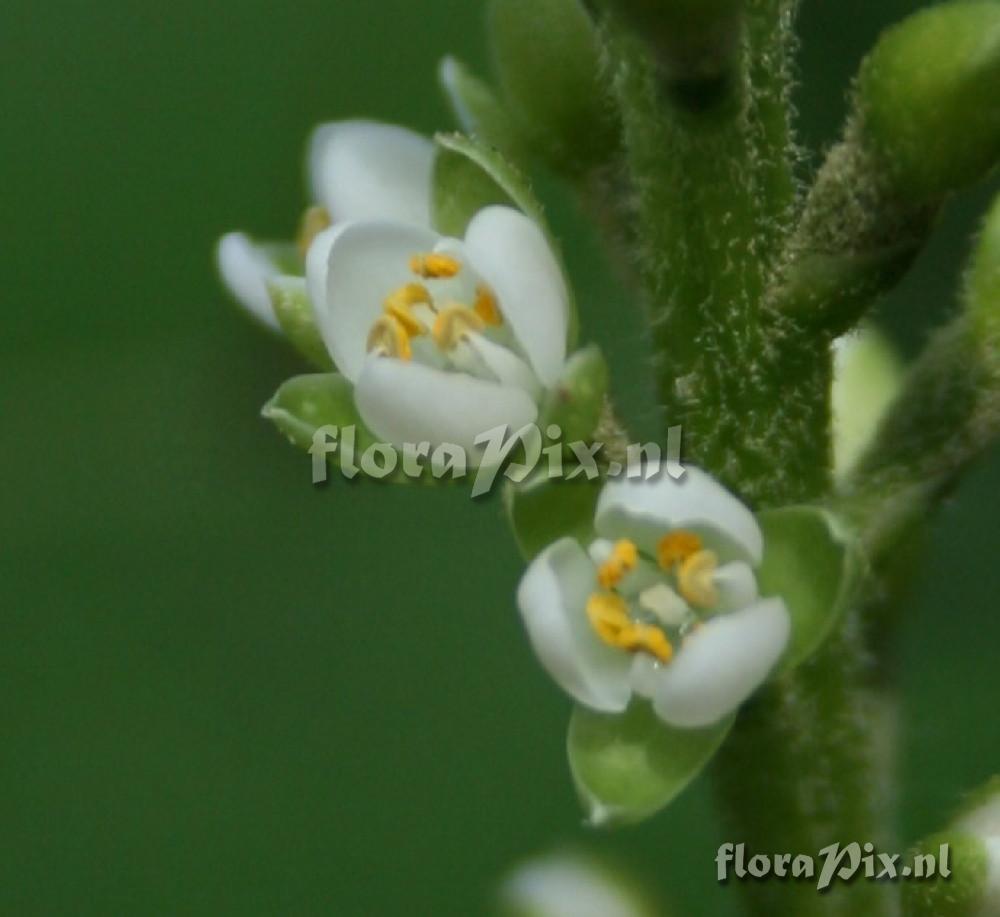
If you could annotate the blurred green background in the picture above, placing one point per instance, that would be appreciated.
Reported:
(224, 691)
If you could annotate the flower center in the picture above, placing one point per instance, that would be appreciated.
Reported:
(680, 555)
(412, 311)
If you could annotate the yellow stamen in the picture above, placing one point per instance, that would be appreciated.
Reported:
(435, 265)
(452, 324)
(624, 557)
(487, 307)
(608, 615)
(677, 547)
(696, 579)
(313, 222)
(399, 304)
(389, 338)
(648, 639)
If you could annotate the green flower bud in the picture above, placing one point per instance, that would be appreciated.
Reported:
(576, 401)
(548, 60)
(928, 97)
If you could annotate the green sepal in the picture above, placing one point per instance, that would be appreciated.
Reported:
(575, 403)
(304, 404)
(628, 766)
(498, 181)
(461, 189)
(928, 97)
(477, 109)
(542, 509)
(811, 562)
(508, 183)
(548, 59)
(295, 315)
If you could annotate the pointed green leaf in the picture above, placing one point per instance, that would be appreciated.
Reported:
(298, 321)
(542, 510)
(809, 561)
(629, 766)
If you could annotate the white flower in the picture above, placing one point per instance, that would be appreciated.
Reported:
(358, 170)
(444, 339)
(663, 604)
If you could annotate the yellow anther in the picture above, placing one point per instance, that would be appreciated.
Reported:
(452, 324)
(389, 338)
(313, 222)
(623, 559)
(487, 307)
(608, 615)
(435, 265)
(399, 304)
(677, 547)
(696, 579)
(649, 639)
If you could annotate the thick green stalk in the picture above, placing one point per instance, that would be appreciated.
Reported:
(714, 195)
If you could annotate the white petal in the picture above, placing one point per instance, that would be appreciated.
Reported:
(565, 886)
(512, 255)
(737, 586)
(363, 170)
(552, 598)
(365, 262)
(246, 269)
(505, 365)
(406, 402)
(721, 664)
(645, 510)
(318, 265)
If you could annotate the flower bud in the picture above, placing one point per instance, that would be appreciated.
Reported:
(928, 97)
(548, 59)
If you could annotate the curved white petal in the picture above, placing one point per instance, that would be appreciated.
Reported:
(552, 598)
(245, 269)
(406, 402)
(317, 267)
(737, 586)
(645, 510)
(364, 170)
(365, 262)
(512, 255)
(504, 364)
(721, 664)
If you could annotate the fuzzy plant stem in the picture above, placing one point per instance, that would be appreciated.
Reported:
(711, 171)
